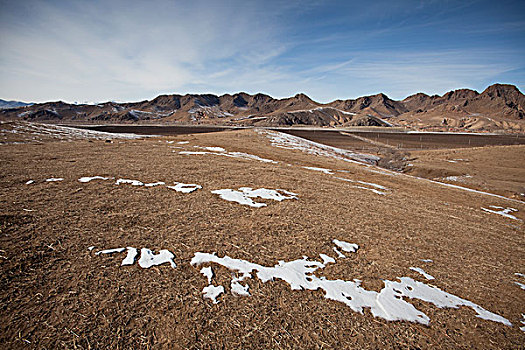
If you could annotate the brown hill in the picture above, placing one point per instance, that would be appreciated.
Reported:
(379, 105)
(499, 107)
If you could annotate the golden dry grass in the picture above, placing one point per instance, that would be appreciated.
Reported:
(57, 294)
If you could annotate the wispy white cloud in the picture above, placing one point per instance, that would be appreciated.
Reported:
(119, 50)
(129, 51)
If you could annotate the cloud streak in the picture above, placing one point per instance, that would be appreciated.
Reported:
(97, 51)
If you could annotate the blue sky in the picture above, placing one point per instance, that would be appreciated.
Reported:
(134, 50)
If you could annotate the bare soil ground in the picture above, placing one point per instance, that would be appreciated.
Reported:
(55, 293)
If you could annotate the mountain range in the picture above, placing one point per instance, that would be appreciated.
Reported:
(12, 104)
(498, 107)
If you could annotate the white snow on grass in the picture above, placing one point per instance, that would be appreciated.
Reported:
(212, 292)
(422, 272)
(502, 211)
(38, 131)
(148, 259)
(347, 247)
(111, 251)
(339, 254)
(427, 260)
(268, 194)
(29, 182)
(461, 178)
(208, 273)
(55, 179)
(127, 181)
(519, 274)
(130, 257)
(237, 197)
(283, 140)
(91, 248)
(327, 259)
(373, 185)
(249, 157)
(387, 304)
(372, 190)
(322, 170)
(153, 184)
(88, 178)
(521, 285)
(377, 189)
(245, 194)
(465, 189)
(522, 322)
(179, 187)
(239, 289)
(184, 188)
(219, 151)
(183, 142)
(215, 149)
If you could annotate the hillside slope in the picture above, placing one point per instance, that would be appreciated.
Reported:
(499, 107)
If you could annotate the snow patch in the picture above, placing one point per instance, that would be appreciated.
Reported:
(148, 259)
(29, 182)
(323, 170)
(282, 140)
(245, 194)
(88, 179)
(372, 190)
(339, 254)
(347, 247)
(153, 184)
(65, 133)
(208, 273)
(387, 304)
(238, 197)
(55, 179)
(127, 181)
(215, 149)
(377, 189)
(184, 188)
(373, 185)
(212, 292)
(327, 259)
(111, 251)
(222, 152)
(130, 257)
(422, 272)
(461, 178)
(239, 289)
(502, 211)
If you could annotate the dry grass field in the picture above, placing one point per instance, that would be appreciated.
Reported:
(56, 292)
